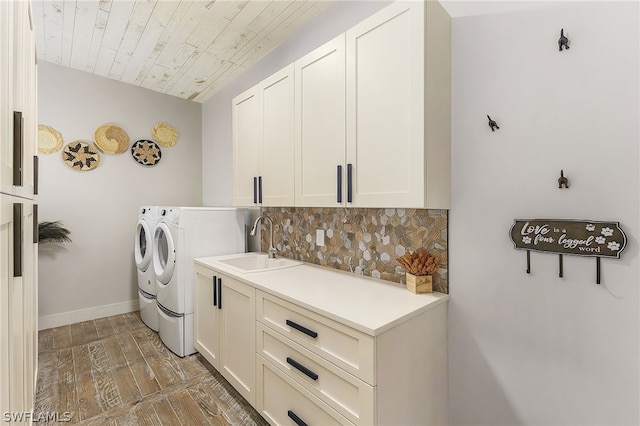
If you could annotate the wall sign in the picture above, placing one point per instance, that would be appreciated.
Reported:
(573, 237)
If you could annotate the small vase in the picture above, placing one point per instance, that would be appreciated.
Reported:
(419, 283)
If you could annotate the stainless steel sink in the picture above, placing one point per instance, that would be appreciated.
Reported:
(257, 262)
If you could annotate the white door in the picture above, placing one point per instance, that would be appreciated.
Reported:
(320, 170)
(278, 145)
(238, 336)
(247, 147)
(6, 282)
(143, 245)
(385, 107)
(207, 327)
(6, 97)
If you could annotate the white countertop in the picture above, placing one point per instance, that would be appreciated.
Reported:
(364, 303)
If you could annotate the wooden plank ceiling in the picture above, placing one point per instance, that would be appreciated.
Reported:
(184, 48)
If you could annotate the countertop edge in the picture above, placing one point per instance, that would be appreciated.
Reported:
(209, 262)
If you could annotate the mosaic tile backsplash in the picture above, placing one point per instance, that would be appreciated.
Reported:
(363, 241)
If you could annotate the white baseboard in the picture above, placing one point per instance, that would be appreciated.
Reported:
(72, 317)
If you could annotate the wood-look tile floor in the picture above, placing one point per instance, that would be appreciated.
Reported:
(116, 371)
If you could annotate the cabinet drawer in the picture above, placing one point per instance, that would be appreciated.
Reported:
(347, 394)
(345, 347)
(282, 401)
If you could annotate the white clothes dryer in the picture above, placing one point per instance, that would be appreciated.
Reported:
(182, 234)
(143, 255)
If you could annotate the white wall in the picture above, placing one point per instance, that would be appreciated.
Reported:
(216, 112)
(100, 206)
(537, 349)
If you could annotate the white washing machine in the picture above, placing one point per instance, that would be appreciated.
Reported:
(182, 234)
(143, 254)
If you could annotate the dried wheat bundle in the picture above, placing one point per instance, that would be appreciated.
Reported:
(419, 263)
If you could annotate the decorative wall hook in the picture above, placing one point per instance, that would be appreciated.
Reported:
(563, 180)
(493, 124)
(569, 237)
(563, 41)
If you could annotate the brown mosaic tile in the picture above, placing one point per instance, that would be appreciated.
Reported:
(363, 241)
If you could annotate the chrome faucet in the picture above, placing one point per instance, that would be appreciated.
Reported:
(272, 250)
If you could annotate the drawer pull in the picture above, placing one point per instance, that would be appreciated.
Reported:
(302, 329)
(295, 418)
(302, 368)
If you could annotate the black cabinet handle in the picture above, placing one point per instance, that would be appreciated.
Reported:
(219, 293)
(36, 166)
(293, 416)
(302, 368)
(302, 329)
(255, 190)
(17, 147)
(339, 191)
(260, 189)
(17, 239)
(349, 183)
(215, 291)
(35, 224)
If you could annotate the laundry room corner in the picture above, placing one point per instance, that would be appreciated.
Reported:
(94, 275)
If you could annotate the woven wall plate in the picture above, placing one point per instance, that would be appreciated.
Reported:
(164, 134)
(49, 140)
(146, 152)
(111, 139)
(82, 156)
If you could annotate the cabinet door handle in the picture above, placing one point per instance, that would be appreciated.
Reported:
(35, 224)
(255, 190)
(339, 191)
(36, 166)
(260, 189)
(302, 368)
(293, 416)
(349, 183)
(219, 293)
(215, 291)
(302, 329)
(17, 148)
(17, 239)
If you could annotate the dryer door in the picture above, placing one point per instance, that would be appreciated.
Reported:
(143, 243)
(164, 253)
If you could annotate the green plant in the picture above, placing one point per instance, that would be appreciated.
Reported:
(53, 232)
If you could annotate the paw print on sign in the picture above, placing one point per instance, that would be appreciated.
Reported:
(613, 246)
(607, 232)
(600, 239)
(526, 240)
(590, 227)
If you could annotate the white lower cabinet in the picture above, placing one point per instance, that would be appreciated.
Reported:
(225, 328)
(282, 401)
(301, 358)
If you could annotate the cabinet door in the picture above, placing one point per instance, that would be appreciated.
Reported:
(6, 280)
(320, 126)
(385, 107)
(278, 146)
(207, 336)
(247, 145)
(6, 97)
(238, 336)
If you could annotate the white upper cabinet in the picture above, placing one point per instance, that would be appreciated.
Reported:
(278, 145)
(18, 112)
(398, 107)
(247, 146)
(263, 143)
(320, 126)
(372, 118)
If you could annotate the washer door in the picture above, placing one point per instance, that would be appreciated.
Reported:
(143, 245)
(164, 253)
